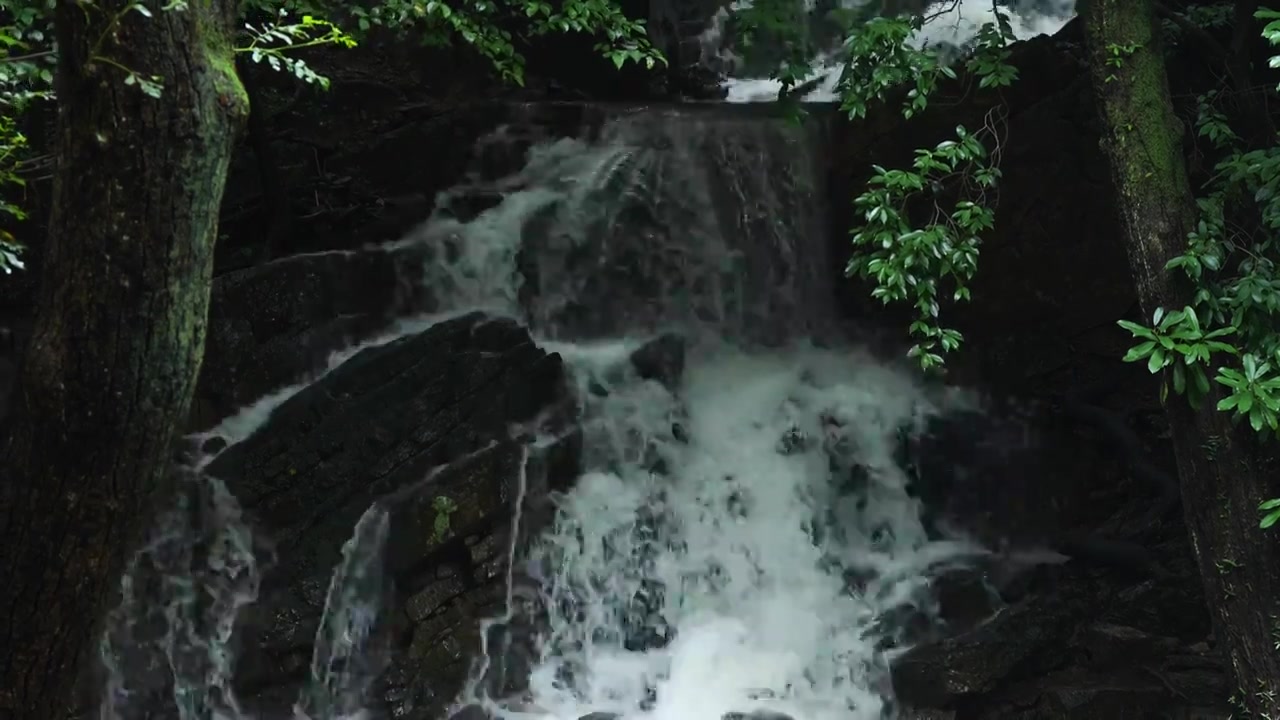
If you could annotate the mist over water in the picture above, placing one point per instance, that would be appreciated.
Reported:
(741, 536)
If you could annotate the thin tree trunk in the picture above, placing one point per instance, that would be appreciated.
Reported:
(1221, 478)
(109, 373)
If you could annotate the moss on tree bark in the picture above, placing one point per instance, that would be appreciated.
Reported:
(1221, 474)
(108, 377)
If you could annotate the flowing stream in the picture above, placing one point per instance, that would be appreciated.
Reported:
(741, 537)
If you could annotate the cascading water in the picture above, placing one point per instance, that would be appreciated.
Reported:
(948, 24)
(741, 534)
(342, 663)
(719, 554)
(669, 217)
(738, 538)
(202, 562)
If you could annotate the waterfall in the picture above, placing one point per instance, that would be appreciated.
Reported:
(741, 537)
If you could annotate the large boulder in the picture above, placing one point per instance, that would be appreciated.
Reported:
(1062, 653)
(275, 324)
(436, 427)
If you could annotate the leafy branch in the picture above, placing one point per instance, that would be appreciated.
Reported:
(271, 43)
(920, 264)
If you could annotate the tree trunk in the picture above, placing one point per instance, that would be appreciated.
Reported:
(1221, 476)
(108, 376)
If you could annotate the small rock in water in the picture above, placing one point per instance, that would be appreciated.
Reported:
(213, 445)
(600, 716)
(661, 359)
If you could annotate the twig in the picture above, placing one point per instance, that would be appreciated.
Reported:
(25, 58)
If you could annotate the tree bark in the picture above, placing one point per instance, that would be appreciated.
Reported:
(1222, 477)
(108, 376)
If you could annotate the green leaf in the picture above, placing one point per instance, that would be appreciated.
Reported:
(1269, 519)
(1200, 379)
(1136, 329)
(1157, 360)
(1138, 352)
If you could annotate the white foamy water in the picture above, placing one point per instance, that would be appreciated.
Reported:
(953, 24)
(343, 665)
(180, 597)
(752, 549)
(739, 540)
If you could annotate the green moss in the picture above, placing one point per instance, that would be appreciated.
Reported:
(214, 34)
(226, 80)
(1145, 135)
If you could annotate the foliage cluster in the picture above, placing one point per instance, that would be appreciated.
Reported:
(26, 77)
(920, 226)
(1231, 328)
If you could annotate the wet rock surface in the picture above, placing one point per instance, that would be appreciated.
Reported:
(1094, 607)
(1063, 651)
(430, 424)
(273, 325)
(662, 360)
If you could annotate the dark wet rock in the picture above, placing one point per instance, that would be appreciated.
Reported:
(697, 82)
(600, 716)
(213, 445)
(965, 598)
(426, 424)
(977, 471)
(276, 324)
(465, 206)
(1018, 640)
(1050, 657)
(662, 359)
(1082, 695)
